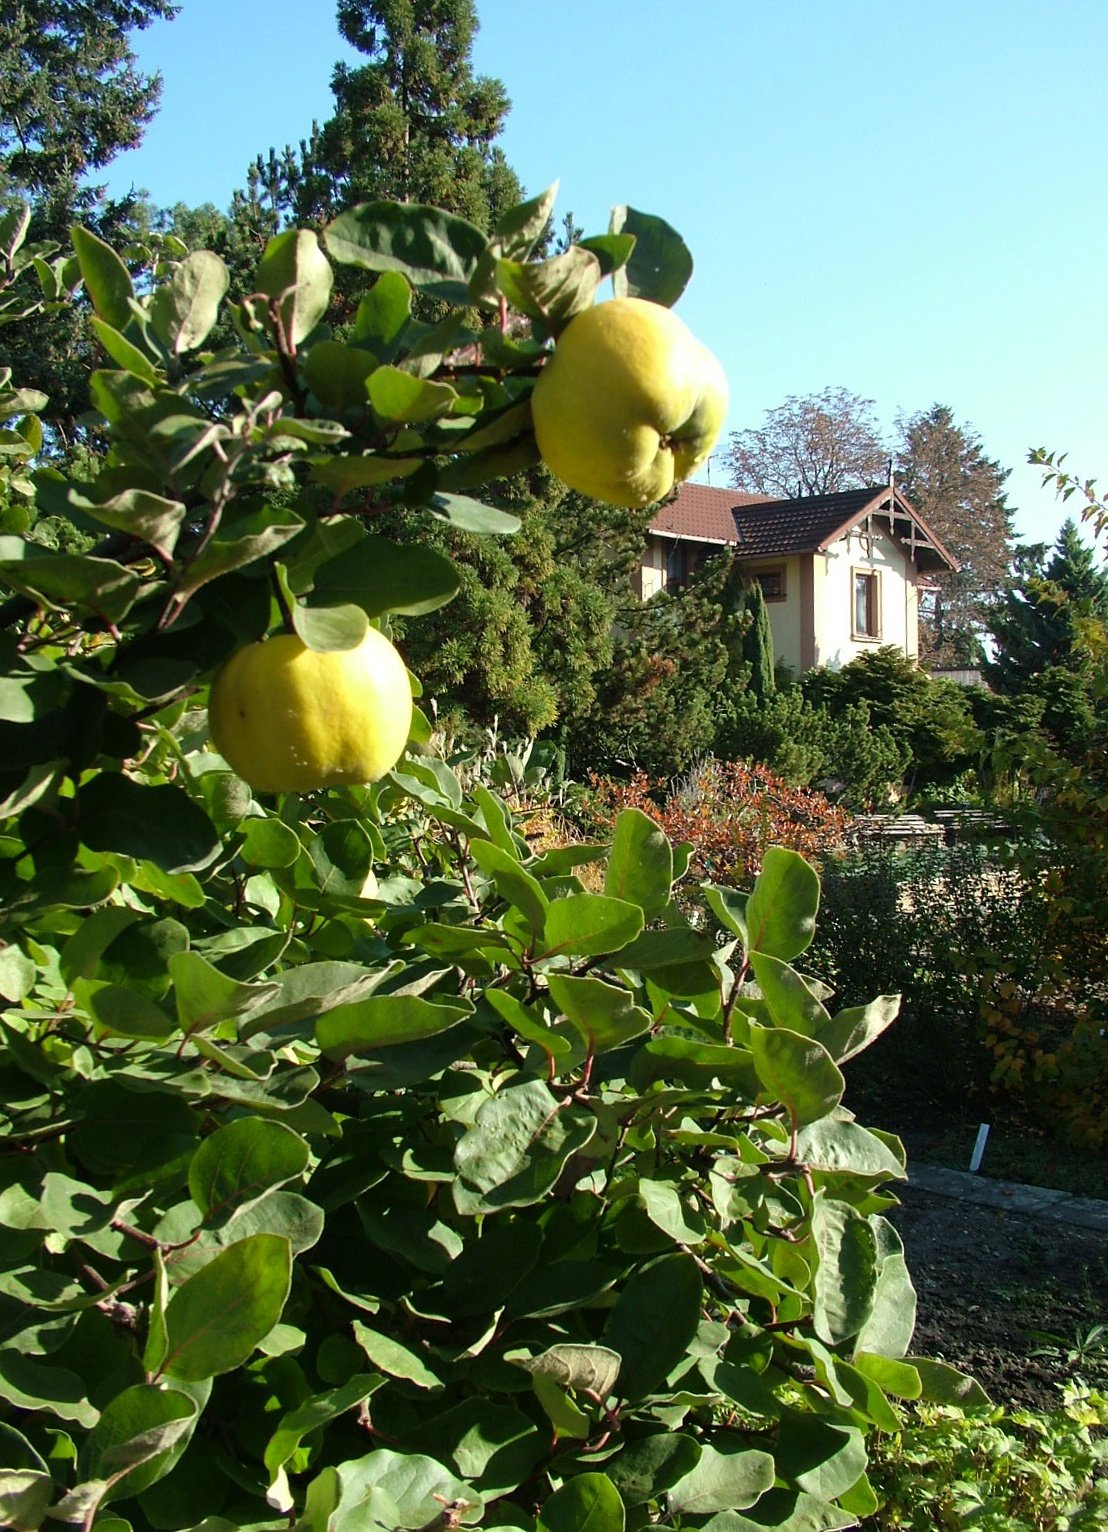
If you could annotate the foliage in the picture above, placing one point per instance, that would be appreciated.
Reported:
(959, 492)
(70, 95)
(1038, 625)
(945, 926)
(357, 1151)
(728, 813)
(811, 445)
(843, 754)
(930, 719)
(997, 1469)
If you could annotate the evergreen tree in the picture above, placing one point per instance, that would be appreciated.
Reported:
(1037, 625)
(758, 643)
(70, 97)
(959, 492)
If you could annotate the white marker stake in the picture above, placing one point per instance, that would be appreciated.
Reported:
(979, 1149)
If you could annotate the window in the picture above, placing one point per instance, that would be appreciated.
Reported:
(680, 564)
(867, 604)
(772, 582)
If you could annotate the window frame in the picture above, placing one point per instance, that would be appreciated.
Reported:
(871, 633)
(772, 569)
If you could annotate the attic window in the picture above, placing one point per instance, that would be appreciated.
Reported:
(867, 604)
(772, 582)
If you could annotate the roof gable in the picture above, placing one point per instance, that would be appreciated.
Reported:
(760, 528)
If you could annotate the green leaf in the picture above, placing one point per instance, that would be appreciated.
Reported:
(942, 1384)
(383, 1021)
(652, 1464)
(142, 1430)
(589, 925)
(184, 310)
(383, 313)
(640, 867)
(789, 1000)
(668, 1212)
(337, 375)
(124, 1012)
(846, 1272)
(560, 1409)
(797, 1071)
(32, 1385)
(381, 575)
(493, 1446)
(25, 1495)
(900, 1379)
(17, 973)
(888, 1329)
(314, 1413)
(846, 1148)
(605, 1015)
(204, 995)
(296, 274)
(269, 843)
(660, 265)
(107, 280)
(519, 1143)
(13, 229)
(434, 250)
(589, 1502)
(254, 536)
(729, 908)
(471, 516)
(512, 883)
(591, 1368)
(400, 396)
(155, 824)
(393, 1358)
(125, 353)
(61, 580)
(654, 1319)
(141, 513)
(725, 1478)
(413, 1490)
(215, 1320)
(781, 911)
(529, 1024)
(241, 1162)
(821, 1459)
(519, 230)
(343, 473)
(553, 290)
(853, 1029)
(330, 629)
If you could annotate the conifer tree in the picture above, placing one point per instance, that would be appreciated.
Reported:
(1037, 625)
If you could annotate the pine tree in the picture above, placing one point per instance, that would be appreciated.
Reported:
(1037, 625)
(70, 96)
(959, 492)
(758, 643)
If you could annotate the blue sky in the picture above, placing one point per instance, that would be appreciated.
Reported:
(907, 200)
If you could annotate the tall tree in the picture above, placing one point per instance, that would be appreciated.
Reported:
(810, 445)
(413, 124)
(70, 95)
(959, 492)
(1037, 627)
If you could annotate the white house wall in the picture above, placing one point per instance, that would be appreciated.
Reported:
(836, 644)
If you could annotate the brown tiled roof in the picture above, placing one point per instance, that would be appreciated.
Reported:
(763, 528)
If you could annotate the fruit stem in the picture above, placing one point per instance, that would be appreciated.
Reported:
(282, 601)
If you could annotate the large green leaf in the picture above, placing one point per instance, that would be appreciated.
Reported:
(650, 1465)
(519, 1143)
(159, 824)
(107, 280)
(605, 1015)
(491, 1445)
(822, 1459)
(381, 575)
(589, 1502)
(781, 911)
(640, 866)
(846, 1270)
(892, 1318)
(215, 1320)
(849, 1031)
(435, 251)
(725, 1478)
(296, 275)
(383, 1021)
(241, 1162)
(588, 925)
(61, 580)
(846, 1148)
(312, 1415)
(205, 996)
(141, 1432)
(660, 265)
(184, 309)
(796, 1070)
(789, 1000)
(553, 290)
(654, 1319)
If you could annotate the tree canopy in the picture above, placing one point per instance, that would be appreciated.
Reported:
(943, 470)
(810, 445)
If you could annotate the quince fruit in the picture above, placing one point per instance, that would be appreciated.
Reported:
(288, 718)
(629, 404)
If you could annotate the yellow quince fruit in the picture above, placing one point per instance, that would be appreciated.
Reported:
(288, 718)
(629, 404)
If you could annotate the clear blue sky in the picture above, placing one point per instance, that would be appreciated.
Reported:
(906, 199)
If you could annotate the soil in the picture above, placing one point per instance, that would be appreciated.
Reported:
(986, 1277)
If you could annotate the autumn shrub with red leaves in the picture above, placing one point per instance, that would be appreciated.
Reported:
(728, 812)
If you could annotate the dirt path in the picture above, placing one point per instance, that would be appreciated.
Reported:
(985, 1277)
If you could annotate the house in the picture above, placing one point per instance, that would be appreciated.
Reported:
(841, 573)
